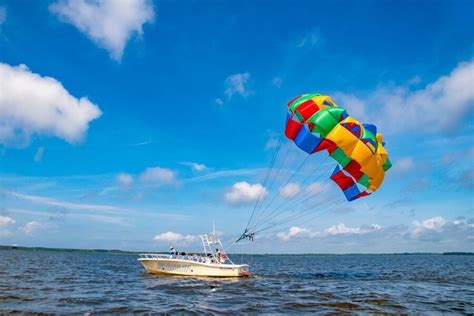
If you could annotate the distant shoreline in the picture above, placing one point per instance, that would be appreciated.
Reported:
(117, 252)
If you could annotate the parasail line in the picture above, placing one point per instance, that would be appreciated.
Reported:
(272, 181)
(275, 153)
(297, 216)
(289, 180)
(285, 202)
(326, 202)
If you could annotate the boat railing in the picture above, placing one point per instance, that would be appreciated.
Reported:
(194, 257)
(154, 256)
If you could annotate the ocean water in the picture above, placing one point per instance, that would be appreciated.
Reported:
(75, 282)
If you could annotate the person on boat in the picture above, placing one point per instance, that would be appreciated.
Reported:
(218, 255)
(172, 251)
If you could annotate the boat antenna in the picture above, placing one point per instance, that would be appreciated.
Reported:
(213, 228)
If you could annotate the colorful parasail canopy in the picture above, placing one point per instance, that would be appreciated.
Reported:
(316, 123)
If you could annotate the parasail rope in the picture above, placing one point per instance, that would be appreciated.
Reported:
(286, 183)
(312, 218)
(325, 206)
(257, 206)
(293, 198)
(294, 216)
(269, 170)
(296, 204)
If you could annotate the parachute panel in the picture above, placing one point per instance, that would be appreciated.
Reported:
(316, 123)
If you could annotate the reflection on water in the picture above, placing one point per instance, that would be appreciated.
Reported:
(65, 282)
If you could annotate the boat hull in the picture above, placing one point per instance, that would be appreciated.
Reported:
(190, 268)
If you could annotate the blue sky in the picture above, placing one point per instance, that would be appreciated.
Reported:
(134, 124)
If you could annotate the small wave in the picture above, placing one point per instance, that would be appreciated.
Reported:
(334, 275)
(82, 301)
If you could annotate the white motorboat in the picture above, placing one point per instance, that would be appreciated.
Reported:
(213, 262)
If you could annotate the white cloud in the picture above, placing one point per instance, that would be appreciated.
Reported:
(404, 165)
(174, 237)
(195, 166)
(290, 190)
(435, 223)
(316, 187)
(311, 39)
(54, 202)
(277, 82)
(124, 179)
(434, 233)
(39, 154)
(356, 107)
(5, 222)
(236, 84)
(292, 232)
(440, 106)
(339, 229)
(31, 104)
(244, 192)
(109, 23)
(31, 227)
(271, 143)
(223, 174)
(158, 175)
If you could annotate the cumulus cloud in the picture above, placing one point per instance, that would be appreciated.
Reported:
(158, 175)
(31, 227)
(124, 179)
(244, 192)
(435, 223)
(404, 165)
(436, 234)
(236, 84)
(108, 23)
(5, 223)
(39, 154)
(195, 166)
(173, 237)
(440, 231)
(440, 106)
(290, 190)
(339, 229)
(31, 104)
(292, 232)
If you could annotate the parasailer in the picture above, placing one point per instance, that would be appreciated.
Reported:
(315, 123)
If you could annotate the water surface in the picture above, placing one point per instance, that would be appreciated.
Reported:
(75, 282)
